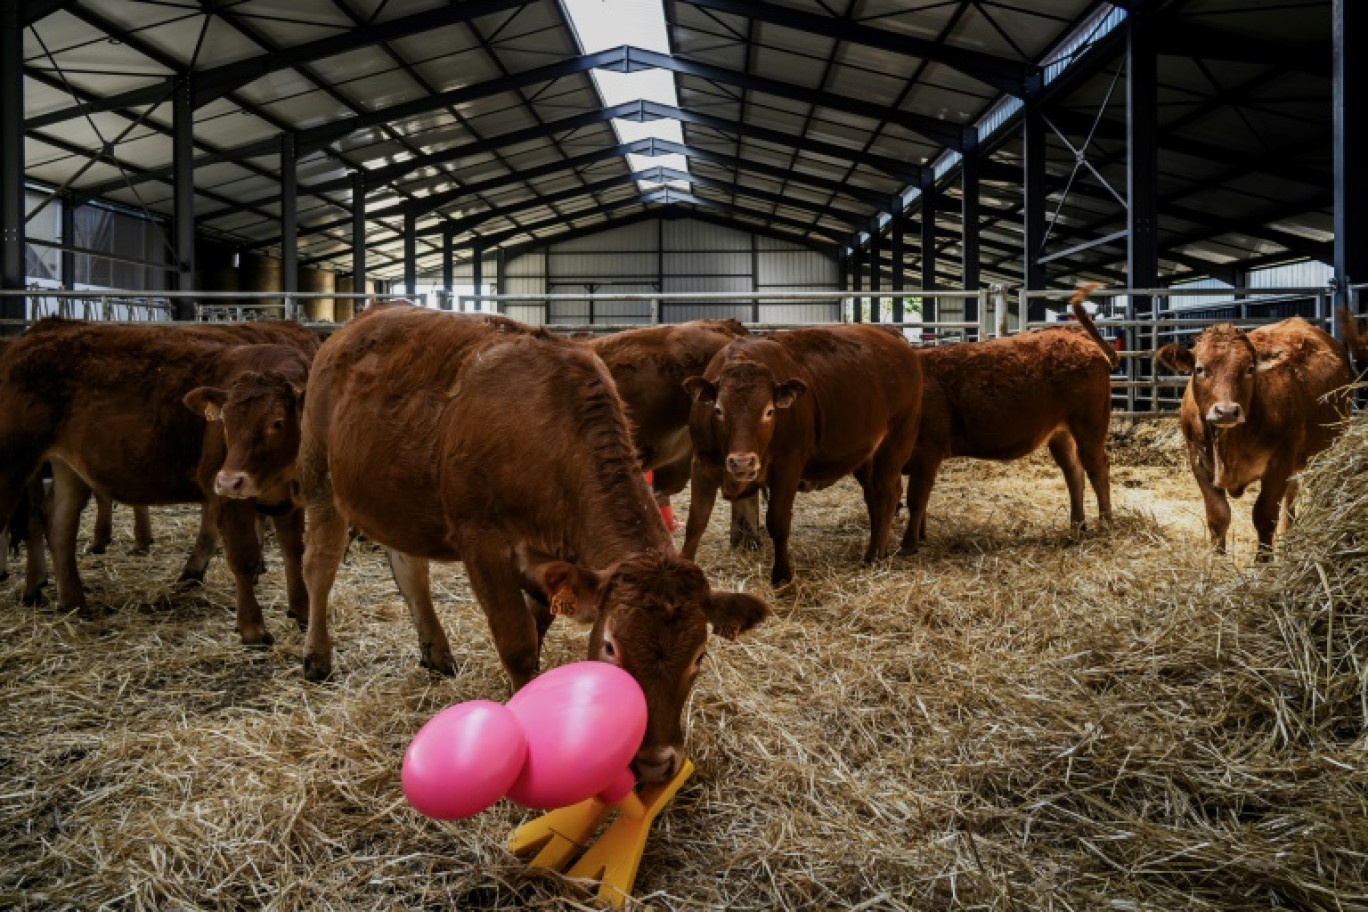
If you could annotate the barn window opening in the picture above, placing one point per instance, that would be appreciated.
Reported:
(600, 25)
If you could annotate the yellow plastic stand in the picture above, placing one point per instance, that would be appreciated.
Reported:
(558, 836)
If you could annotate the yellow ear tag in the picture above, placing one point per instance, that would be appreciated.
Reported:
(213, 412)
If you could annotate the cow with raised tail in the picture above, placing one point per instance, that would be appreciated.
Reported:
(446, 437)
(1258, 406)
(799, 411)
(649, 367)
(106, 405)
(1003, 399)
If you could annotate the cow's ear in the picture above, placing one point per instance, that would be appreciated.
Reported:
(1177, 357)
(733, 613)
(299, 395)
(1271, 359)
(206, 401)
(571, 590)
(701, 390)
(786, 393)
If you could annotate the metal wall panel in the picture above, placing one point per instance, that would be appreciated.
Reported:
(688, 234)
(686, 263)
(602, 266)
(529, 264)
(797, 270)
(621, 240)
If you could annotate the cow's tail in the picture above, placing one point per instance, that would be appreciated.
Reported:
(1081, 313)
(1354, 339)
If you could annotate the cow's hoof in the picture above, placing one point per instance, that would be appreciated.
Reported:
(95, 548)
(446, 669)
(317, 669)
(189, 580)
(301, 620)
(4, 575)
(263, 640)
(32, 598)
(779, 580)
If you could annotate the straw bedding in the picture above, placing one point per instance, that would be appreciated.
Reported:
(1008, 720)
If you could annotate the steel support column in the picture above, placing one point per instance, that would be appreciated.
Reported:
(358, 227)
(477, 273)
(289, 215)
(448, 265)
(183, 201)
(12, 267)
(875, 278)
(856, 284)
(969, 244)
(1033, 211)
(68, 274)
(410, 251)
(895, 249)
(1142, 177)
(1350, 77)
(930, 306)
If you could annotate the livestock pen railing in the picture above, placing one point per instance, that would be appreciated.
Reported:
(610, 312)
(119, 306)
(1142, 387)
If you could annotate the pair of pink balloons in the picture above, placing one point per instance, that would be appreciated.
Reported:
(568, 735)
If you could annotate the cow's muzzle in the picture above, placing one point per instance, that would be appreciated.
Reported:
(1225, 414)
(235, 485)
(744, 467)
(656, 764)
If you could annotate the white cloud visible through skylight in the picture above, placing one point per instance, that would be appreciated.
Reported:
(603, 24)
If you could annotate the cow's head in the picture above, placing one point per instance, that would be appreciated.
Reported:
(743, 405)
(1224, 365)
(650, 616)
(260, 417)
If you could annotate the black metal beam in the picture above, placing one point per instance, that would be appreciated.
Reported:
(1005, 75)
(33, 10)
(183, 200)
(410, 252)
(213, 83)
(1351, 138)
(1142, 145)
(1033, 208)
(289, 214)
(12, 254)
(946, 133)
(650, 175)
(928, 238)
(1187, 38)
(895, 244)
(970, 247)
(358, 228)
(68, 269)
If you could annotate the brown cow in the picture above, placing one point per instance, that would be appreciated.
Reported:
(649, 367)
(1004, 398)
(1259, 405)
(105, 404)
(450, 438)
(799, 411)
(1355, 339)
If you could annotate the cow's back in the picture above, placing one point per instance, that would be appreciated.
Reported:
(1003, 398)
(475, 414)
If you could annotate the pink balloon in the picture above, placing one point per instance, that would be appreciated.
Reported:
(584, 724)
(464, 759)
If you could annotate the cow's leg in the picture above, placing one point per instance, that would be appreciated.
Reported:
(242, 550)
(325, 540)
(289, 529)
(70, 494)
(779, 523)
(745, 523)
(206, 543)
(142, 530)
(497, 585)
(702, 495)
(1268, 507)
(35, 541)
(921, 478)
(1289, 507)
(1065, 453)
(4, 552)
(412, 577)
(104, 525)
(540, 610)
(1217, 506)
(1092, 452)
(883, 488)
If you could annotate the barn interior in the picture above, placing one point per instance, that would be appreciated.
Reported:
(1015, 718)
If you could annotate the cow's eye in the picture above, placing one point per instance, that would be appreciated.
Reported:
(278, 424)
(609, 649)
(1250, 369)
(769, 413)
(717, 410)
(1199, 370)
